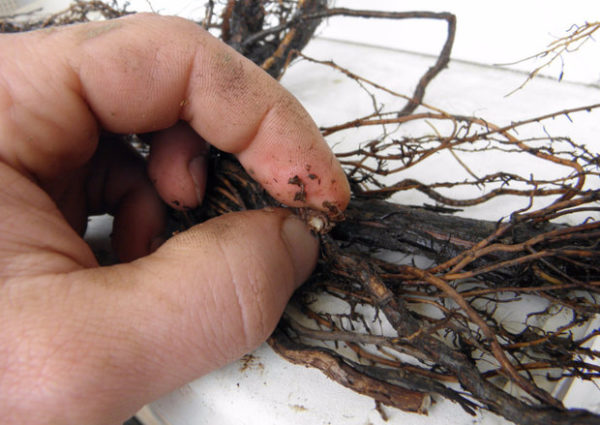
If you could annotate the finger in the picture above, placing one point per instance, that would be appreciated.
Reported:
(118, 184)
(138, 224)
(144, 73)
(36, 237)
(177, 166)
(138, 330)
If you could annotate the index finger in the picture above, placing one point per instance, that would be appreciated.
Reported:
(145, 72)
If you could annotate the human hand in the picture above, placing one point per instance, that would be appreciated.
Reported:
(81, 344)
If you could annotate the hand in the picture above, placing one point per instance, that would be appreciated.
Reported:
(82, 344)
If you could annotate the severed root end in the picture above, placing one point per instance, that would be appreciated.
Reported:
(321, 222)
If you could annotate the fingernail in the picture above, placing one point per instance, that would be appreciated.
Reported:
(302, 246)
(197, 168)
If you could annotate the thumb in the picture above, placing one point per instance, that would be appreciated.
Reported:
(121, 336)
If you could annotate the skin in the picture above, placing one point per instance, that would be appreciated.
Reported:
(85, 344)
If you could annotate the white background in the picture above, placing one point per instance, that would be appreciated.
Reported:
(489, 32)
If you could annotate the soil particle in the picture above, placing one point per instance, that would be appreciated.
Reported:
(333, 211)
(301, 194)
(249, 361)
